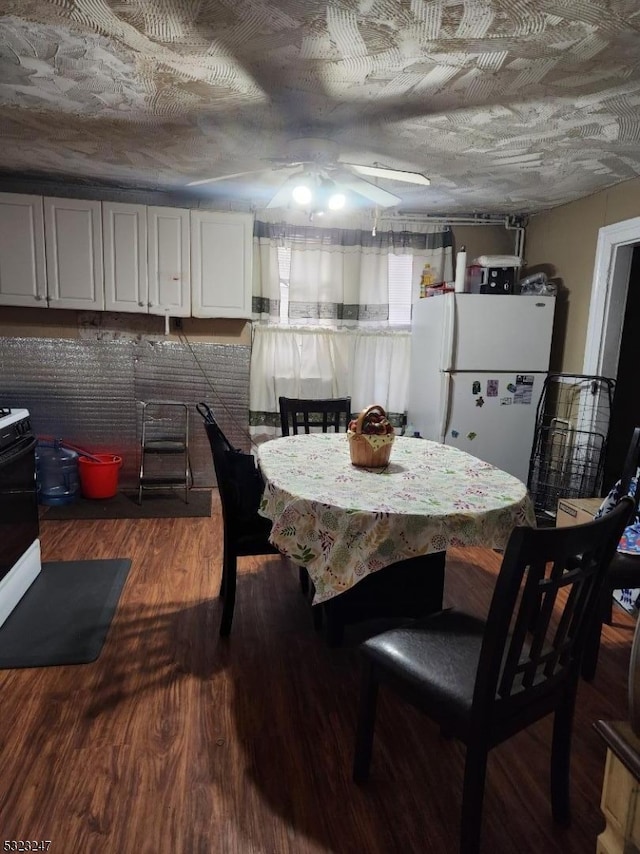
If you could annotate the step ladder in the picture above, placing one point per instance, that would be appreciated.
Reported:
(164, 447)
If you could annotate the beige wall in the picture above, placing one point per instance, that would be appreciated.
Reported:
(562, 242)
(58, 323)
(483, 240)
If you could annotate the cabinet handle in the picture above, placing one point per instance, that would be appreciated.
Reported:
(141, 304)
(39, 297)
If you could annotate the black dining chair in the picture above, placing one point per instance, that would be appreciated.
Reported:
(303, 414)
(245, 532)
(485, 680)
(624, 569)
(298, 414)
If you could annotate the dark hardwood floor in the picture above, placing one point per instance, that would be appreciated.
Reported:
(177, 741)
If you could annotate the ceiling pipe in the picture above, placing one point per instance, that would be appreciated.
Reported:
(520, 232)
(457, 219)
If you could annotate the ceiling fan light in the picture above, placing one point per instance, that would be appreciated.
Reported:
(302, 194)
(336, 201)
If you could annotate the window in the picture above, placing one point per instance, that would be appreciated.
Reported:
(399, 271)
(284, 268)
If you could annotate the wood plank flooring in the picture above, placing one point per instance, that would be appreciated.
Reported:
(177, 741)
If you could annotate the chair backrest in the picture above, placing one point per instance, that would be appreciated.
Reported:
(239, 481)
(165, 420)
(545, 598)
(301, 413)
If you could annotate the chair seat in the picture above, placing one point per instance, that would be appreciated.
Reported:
(624, 571)
(253, 538)
(436, 658)
(164, 446)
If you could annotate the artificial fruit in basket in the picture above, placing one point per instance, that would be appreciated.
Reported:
(375, 424)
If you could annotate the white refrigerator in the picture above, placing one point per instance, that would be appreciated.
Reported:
(478, 363)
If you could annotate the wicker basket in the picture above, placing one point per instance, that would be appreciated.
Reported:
(373, 451)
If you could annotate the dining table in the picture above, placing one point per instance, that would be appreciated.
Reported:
(351, 526)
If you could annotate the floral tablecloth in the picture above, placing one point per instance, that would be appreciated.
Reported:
(342, 522)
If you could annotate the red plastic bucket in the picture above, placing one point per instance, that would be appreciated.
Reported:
(99, 477)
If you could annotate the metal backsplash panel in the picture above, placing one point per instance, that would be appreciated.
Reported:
(89, 392)
(215, 373)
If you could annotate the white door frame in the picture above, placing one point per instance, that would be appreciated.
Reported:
(608, 296)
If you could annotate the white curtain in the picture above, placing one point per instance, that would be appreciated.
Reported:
(332, 337)
(367, 366)
(336, 282)
(266, 277)
(338, 276)
(377, 368)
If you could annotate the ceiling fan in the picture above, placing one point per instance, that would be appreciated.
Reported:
(320, 177)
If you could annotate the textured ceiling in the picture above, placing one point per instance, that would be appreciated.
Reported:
(507, 105)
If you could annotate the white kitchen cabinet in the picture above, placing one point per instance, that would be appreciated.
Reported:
(22, 259)
(124, 232)
(91, 255)
(169, 261)
(73, 240)
(221, 254)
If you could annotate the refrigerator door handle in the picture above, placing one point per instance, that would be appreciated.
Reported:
(448, 336)
(446, 406)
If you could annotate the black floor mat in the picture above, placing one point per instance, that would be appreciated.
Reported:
(65, 615)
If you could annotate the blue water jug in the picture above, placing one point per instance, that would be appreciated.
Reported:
(56, 473)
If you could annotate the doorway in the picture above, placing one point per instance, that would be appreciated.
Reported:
(625, 411)
(611, 350)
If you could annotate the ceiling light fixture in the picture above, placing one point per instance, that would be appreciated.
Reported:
(302, 194)
(319, 192)
(329, 195)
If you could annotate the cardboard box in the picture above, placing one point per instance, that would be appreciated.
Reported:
(576, 511)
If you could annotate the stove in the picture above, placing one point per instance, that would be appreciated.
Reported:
(19, 526)
(14, 423)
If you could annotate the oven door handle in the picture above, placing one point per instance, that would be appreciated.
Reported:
(22, 447)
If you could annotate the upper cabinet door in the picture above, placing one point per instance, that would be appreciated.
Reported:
(124, 229)
(169, 264)
(221, 252)
(73, 235)
(22, 263)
